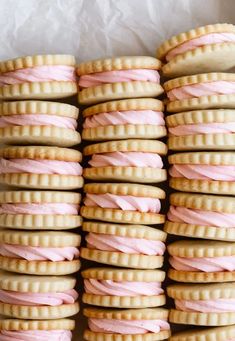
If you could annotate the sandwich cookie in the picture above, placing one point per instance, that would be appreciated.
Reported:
(40, 330)
(202, 129)
(39, 210)
(204, 172)
(41, 167)
(131, 246)
(38, 77)
(39, 253)
(202, 261)
(128, 160)
(201, 216)
(124, 119)
(210, 334)
(203, 91)
(127, 325)
(38, 122)
(123, 288)
(204, 49)
(123, 203)
(203, 305)
(120, 77)
(33, 297)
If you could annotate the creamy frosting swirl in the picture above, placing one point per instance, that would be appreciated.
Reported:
(180, 214)
(47, 208)
(128, 245)
(211, 172)
(107, 77)
(206, 306)
(39, 166)
(39, 335)
(127, 326)
(203, 128)
(113, 288)
(38, 299)
(30, 253)
(137, 117)
(132, 159)
(123, 202)
(44, 73)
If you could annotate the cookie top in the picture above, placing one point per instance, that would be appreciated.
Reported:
(26, 197)
(40, 238)
(203, 158)
(118, 63)
(34, 284)
(41, 153)
(24, 325)
(38, 108)
(192, 34)
(146, 146)
(131, 231)
(38, 60)
(204, 291)
(125, 189)
(125, 105)
(210, 334)
(127, 314)
(204, 202)
(201, 248)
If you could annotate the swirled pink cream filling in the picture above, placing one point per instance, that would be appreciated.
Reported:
(123, 202)
(108, 242)
(107, 77)
(113, 288)
(38, 120)
(212, 264)
(30, 253)
(39, 335)
(203, 172)
(220, 305)
(39, 166)
(122, 159)
(127, 326)
(203, 128)
(207, 39)
(137, 117)
(44, 73)
(38, 299)
(201, 89)
(180, 214)
(47, 208)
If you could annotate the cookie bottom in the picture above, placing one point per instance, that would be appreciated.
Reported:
(201, 277)
(93, 336)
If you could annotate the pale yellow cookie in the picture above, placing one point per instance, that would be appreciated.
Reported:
(31, 325)
(209, 334)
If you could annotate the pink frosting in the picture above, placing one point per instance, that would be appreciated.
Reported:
(37, 335)
(123, 202)
(127, 326)
(204, 172)
(128, 245)
(30, 253)
(203, 128)
(38, 120)
(208, 306)
(125, 117)
(180, 214)
(45, 73)
(131, 159)
(112, 288)
(207, 39)
(201, 89)
(38, 299)
(108, 77)
(213, 264)
(39, 166)
(48, 208)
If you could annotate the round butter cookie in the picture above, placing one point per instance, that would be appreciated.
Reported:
(210, 334)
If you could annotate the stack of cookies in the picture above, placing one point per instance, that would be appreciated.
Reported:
(201, 104)
(38, 253)
(121, 213)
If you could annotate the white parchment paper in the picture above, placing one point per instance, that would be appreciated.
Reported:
(92, 29)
